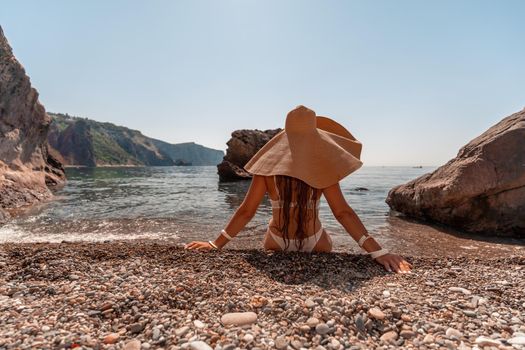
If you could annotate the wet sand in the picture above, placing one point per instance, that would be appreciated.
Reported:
(400, 235)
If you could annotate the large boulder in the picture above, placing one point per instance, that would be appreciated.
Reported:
(482, 190)
(27, 168)
(241, 148)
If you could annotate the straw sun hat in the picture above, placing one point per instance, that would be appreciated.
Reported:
(315, 149)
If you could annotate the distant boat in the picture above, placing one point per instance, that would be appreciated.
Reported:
(417, 166)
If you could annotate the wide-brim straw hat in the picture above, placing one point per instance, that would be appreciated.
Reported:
(315, 149)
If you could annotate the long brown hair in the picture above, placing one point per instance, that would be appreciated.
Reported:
(287, 186)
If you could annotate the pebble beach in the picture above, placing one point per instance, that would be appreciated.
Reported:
(151, 295)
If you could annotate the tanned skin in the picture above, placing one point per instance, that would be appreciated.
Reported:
(346, 216)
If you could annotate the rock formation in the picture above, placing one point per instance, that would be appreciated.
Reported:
(241, 147)
(27, 169)
(482, 190)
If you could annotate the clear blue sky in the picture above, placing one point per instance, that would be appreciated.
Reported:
(412, 80)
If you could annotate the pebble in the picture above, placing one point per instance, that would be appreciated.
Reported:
(460, 289)
(453, 333)
(428, 339)
(181, 332)
(322, 328)
(136, 327)
(281, 342)
(199, 324)
(386, 294)
(389, 337)
(360, 323)
(376, 313)
(520, 340)
(407, 334)
(111, 338)
(122, 284)
(248, 338)
(199, 345)
(312, 322)
(156, 333)
(397, 313)
(310, 303)
(132, 345)
(485, 341)
(305, 328)
(297, 344)
(470, 313)
(238, 318)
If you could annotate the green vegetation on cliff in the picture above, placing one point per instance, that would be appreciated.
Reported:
(82, 141)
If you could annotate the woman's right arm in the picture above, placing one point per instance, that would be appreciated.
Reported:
(349, 219)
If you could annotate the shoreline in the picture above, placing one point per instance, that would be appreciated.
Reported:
(132, 166)
(158, 295)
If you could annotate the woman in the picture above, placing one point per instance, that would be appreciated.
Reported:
(302, 162)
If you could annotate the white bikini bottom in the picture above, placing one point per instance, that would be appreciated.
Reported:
(308, 242)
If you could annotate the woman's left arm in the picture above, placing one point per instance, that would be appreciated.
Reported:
(240, 218)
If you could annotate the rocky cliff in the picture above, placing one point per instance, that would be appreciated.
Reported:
(481, 190)
(82, 141)
(27, 169)
(242, 145)
(190, 152)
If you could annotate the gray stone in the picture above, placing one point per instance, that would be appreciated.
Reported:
(156, 333)
(470, 313)
(136, 327)
(322, 328)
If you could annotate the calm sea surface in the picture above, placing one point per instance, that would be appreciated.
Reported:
(161, 202)
(184, 203)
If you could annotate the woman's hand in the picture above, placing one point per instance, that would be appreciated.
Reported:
(394, 262)
(199, 245)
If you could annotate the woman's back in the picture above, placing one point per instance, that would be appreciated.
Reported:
(295, 211)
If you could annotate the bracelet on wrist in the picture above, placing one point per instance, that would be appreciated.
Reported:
(213, 245)
(363, 238)
(225, 234)
(378, 253)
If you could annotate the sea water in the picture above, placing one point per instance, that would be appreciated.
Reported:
(183, 203)
(168, 202)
